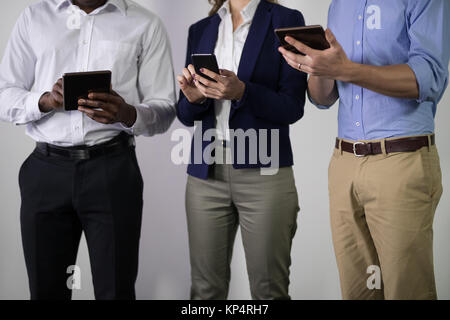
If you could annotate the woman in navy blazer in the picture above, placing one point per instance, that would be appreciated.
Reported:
(248, 108)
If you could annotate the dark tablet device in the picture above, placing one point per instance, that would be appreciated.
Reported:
(78, 85)
(312, 36)
(207, 61)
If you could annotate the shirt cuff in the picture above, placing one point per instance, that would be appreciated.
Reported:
(32, 106)
(319, 106)
(421, 69)
(139, 126)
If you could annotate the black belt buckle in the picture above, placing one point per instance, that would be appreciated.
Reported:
(82, 154)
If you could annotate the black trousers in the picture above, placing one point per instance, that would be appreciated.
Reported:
(61, 198)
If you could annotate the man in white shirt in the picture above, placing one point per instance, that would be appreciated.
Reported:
(83, 175)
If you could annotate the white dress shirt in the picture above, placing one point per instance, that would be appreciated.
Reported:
(228, 51)
(53, 37)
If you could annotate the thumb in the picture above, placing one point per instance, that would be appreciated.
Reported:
(331, 38)
(182, 82)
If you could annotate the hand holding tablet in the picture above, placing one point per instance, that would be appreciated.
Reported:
(78, 85)
(316, 52)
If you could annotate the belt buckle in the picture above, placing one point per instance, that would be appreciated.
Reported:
(354, 149)
(80, 154)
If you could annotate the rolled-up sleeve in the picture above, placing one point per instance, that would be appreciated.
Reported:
(430, 46)
(319, 106)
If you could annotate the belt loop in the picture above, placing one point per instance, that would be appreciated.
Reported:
(47, 152)
(429, 143)
(383, 147)
(340, 147)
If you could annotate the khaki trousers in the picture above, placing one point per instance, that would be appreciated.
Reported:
(265, 207)
(382, 210)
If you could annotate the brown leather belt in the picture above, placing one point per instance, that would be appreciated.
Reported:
(363, 149)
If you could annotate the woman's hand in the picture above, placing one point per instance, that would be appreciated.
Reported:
(187, 85)
(227, 87)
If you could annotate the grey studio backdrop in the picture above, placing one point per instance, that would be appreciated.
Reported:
(164, 271)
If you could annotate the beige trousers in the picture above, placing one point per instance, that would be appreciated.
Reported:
(264, 207)
(382, 209)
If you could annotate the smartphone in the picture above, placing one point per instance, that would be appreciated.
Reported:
(207, 61)
(312, 36)
(78, 85)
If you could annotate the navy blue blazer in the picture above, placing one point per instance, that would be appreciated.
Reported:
(275, 93)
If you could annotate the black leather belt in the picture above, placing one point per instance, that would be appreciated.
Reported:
(363, 149)
(120, 142)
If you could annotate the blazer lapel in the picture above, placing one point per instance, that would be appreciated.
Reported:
(255, 40)
(210, 34)
(254, 43)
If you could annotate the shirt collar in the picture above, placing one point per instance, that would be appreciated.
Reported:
(119, 4)
(247, 13)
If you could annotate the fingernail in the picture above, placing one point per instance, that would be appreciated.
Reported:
(202, 70)
(91, 95)
(81, 101)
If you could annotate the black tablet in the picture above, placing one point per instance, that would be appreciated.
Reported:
(312, 36)
(78, 85)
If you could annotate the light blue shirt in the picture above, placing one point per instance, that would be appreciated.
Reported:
(391, 32)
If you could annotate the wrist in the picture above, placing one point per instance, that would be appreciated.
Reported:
(43, 105)
(200, 100)
(349, 72)
(241, 91)
(130, 116)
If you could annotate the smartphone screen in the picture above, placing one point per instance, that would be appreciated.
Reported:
(207, 61)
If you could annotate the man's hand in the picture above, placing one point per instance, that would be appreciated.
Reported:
(227, 87)
(398, 81)
(332, 63)
(108, 108)
(52, 100)
(187, 85)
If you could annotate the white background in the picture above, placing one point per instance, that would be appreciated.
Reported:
(164, 260)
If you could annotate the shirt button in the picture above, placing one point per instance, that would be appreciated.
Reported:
(358, 42)
(360, 17)
(358, 124)
(357, 97)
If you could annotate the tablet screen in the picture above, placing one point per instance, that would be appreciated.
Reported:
(78, 85)
(312, 36)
